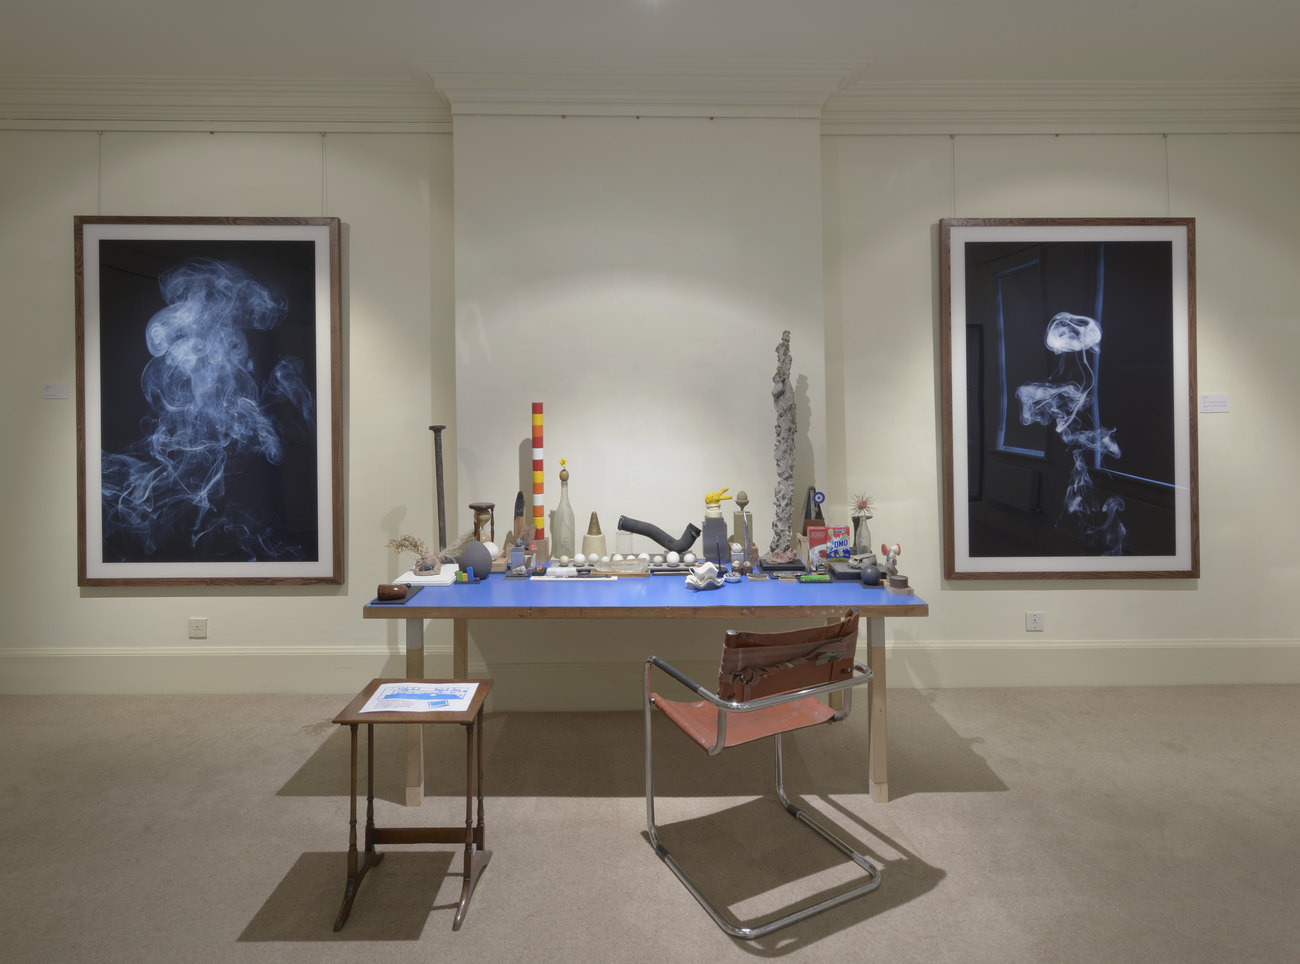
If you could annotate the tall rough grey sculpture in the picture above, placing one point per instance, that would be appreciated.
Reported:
(783, 398)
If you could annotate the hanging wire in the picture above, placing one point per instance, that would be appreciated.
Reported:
(952, 211)
(1168, 192)
(99, 173)
(323, 184)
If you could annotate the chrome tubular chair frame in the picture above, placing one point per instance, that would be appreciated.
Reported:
(724, 707)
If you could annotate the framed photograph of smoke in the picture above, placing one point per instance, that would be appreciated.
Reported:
(1068, 377)
(209, 400)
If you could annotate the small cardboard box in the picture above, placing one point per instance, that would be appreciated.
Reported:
(827, 542)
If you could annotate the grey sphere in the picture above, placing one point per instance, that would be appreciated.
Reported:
(870, 575)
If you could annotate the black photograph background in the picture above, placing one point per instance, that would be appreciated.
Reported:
(208, 446)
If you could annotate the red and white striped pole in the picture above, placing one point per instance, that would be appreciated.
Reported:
(539, 512)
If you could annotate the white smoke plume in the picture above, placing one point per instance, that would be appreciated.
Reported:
(1061, 404)
(209, 412)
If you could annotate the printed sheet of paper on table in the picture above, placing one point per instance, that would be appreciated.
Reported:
(421, 698)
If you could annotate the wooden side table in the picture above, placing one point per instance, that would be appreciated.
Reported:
(471, 835)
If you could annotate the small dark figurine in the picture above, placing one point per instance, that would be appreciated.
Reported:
(812, 509)
(517, 527)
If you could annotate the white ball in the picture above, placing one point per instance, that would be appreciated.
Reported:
(579, 559)
(618, 557)
(644, 557)
(658, 560)
(673, 558)
(604, 558)
(564, 560)
(688, 558)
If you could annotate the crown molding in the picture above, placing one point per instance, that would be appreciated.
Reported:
(622, 89)
(835, 93)
(867, 107)
(220, 103)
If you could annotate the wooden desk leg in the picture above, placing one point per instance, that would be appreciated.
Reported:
(414, 732)
(835, 700)
(878, 774)
(460, 649)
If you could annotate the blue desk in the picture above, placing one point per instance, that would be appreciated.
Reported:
(647, 597)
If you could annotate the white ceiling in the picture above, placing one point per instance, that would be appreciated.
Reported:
(905, 41)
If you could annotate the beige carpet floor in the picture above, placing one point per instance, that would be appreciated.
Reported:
(1121, 824)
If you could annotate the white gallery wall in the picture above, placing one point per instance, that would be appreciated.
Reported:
(661, 250)
(635, 276)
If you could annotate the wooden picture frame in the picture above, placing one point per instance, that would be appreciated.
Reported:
(1066, 455)
(209, 401)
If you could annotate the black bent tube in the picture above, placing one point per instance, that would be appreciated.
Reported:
(658, 535)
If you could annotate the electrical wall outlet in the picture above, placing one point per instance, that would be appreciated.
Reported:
(198, 627)
(1033, 622)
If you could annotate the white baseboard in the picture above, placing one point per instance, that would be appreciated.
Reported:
(1093, 663)
(612, 685)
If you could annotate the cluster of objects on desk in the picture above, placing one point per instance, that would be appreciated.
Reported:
(475, 559)
(820, 552)
(671, 559)
(817, 553)
(863, 568)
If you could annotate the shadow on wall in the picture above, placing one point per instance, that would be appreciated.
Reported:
(803, 450)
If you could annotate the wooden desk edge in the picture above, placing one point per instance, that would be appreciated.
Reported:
(635, 612)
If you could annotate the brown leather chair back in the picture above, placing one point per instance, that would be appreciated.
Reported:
(762, 664)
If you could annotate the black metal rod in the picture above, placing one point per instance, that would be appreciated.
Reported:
(437, 466)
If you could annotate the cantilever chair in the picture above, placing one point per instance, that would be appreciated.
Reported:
(768, 684)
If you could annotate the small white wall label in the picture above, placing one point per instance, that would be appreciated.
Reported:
(54, 390)
(1215, 402)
